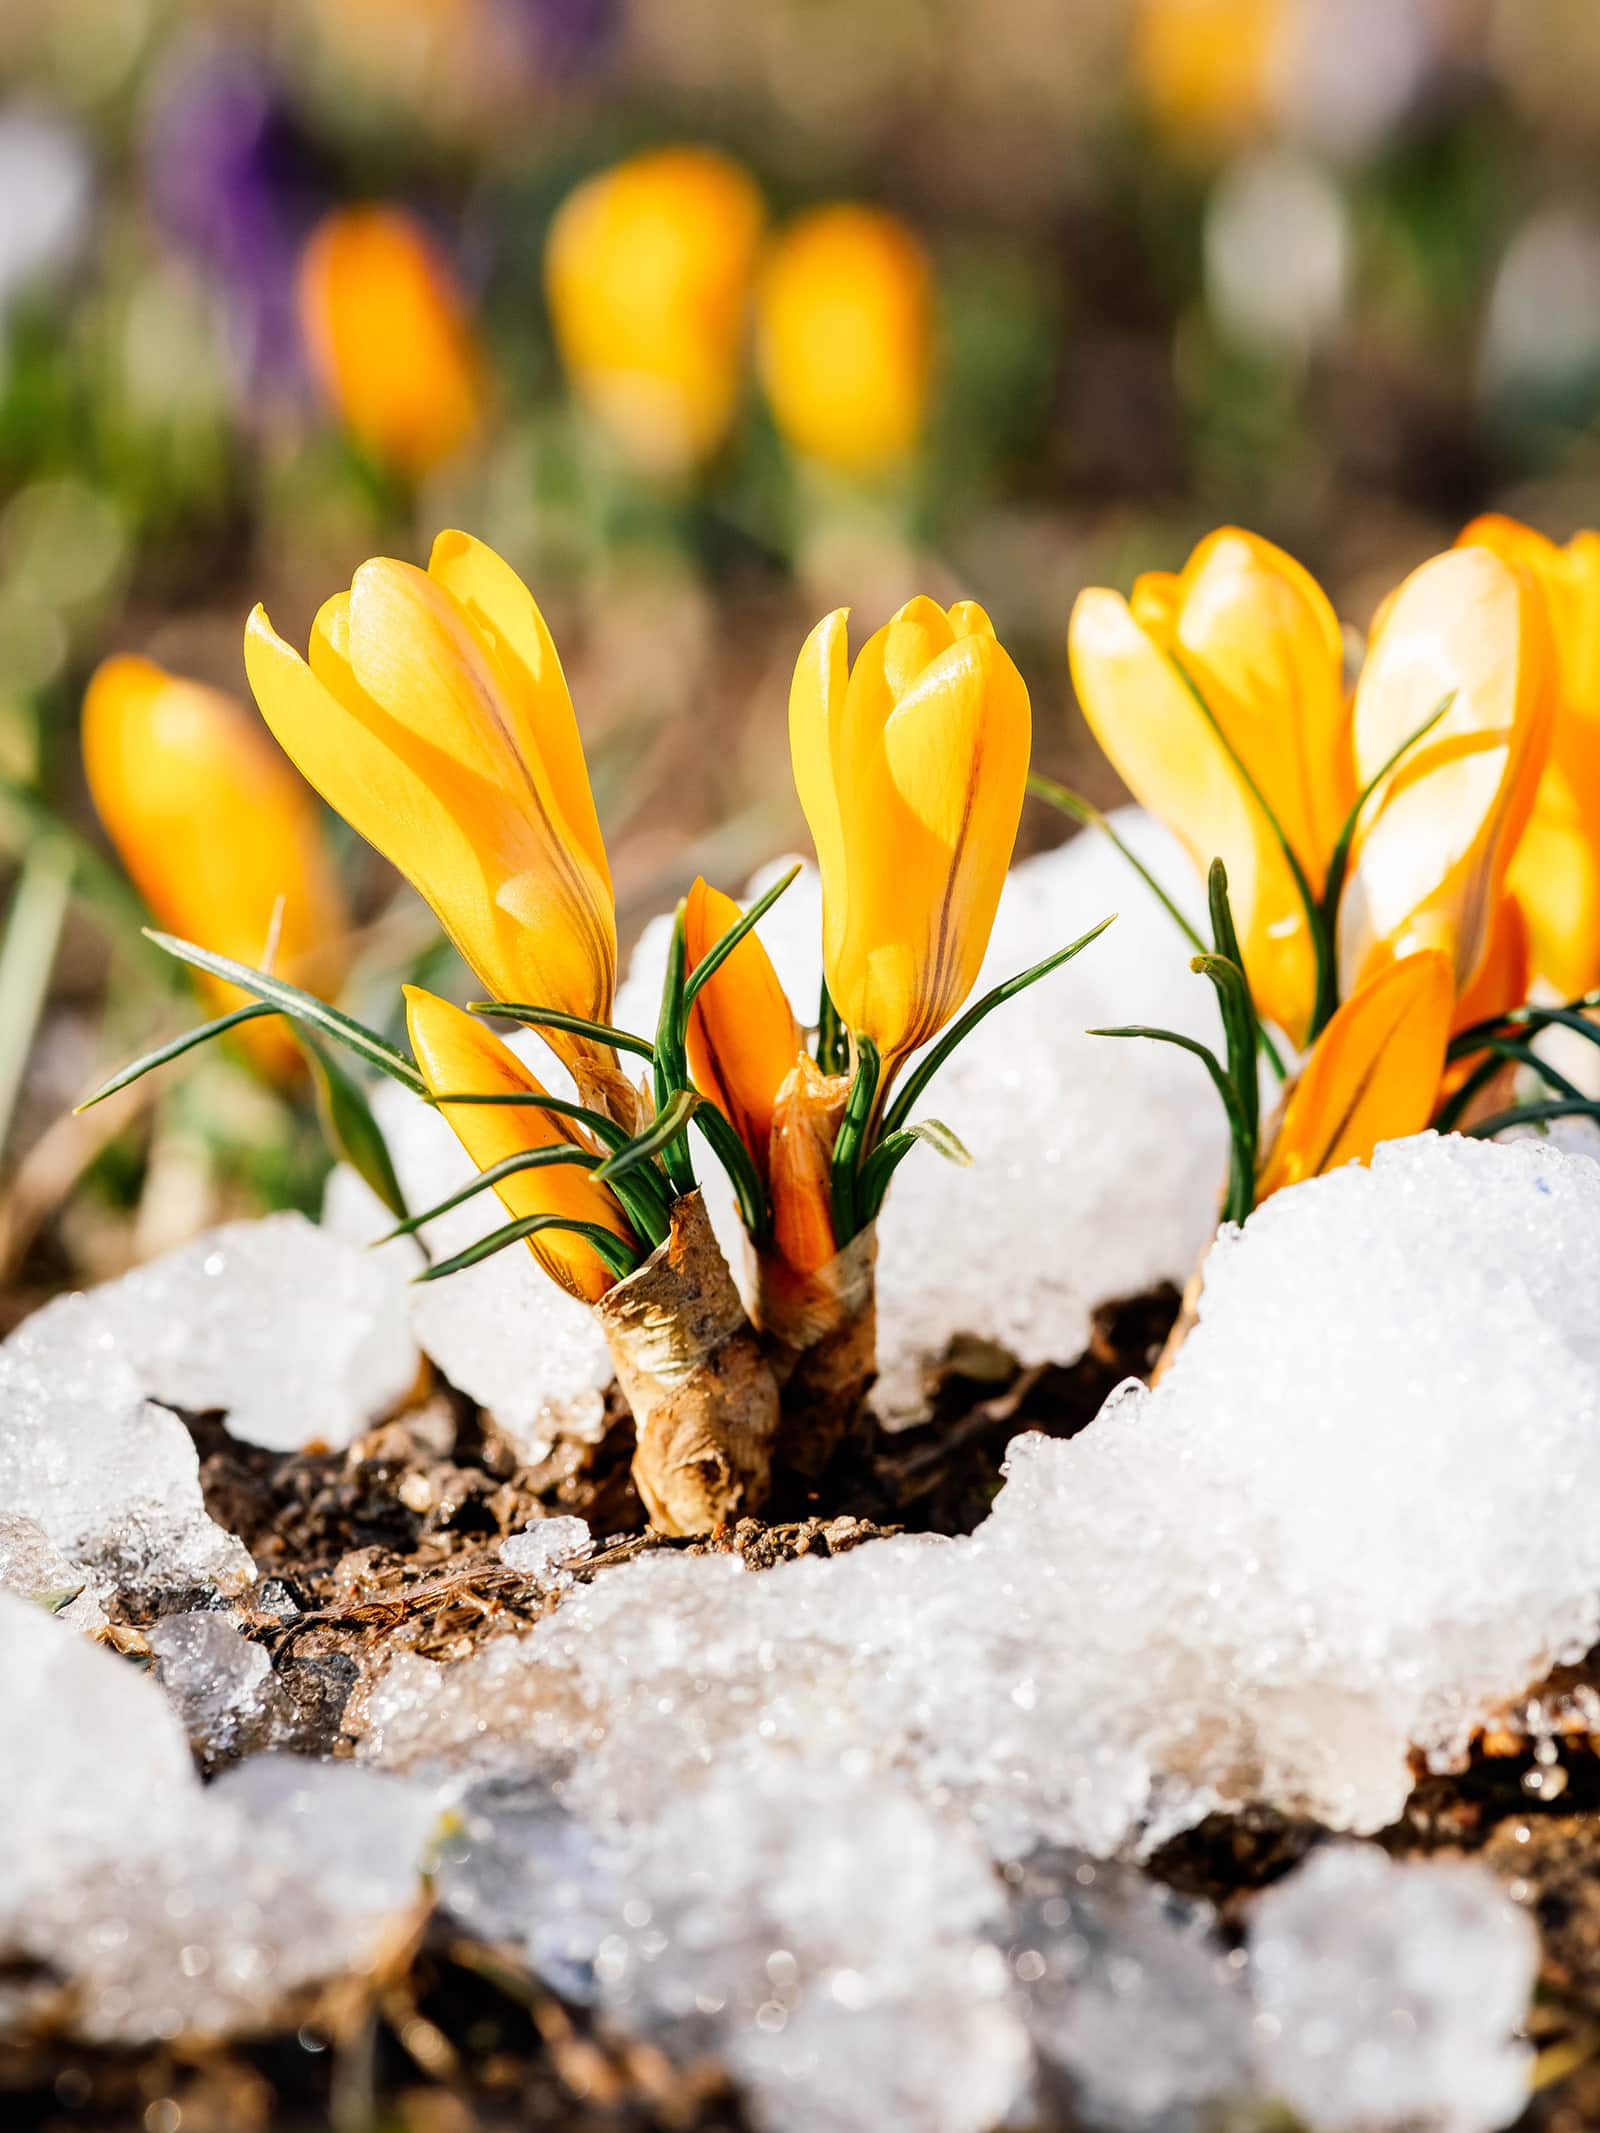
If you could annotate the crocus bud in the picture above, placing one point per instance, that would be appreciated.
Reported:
(846, 337)
(434, 716)
(389, 338)
(742, 1036)
(1373, 1075)
(1259, 641)
(1430, 858)
(911, 767)
(220, 837)
(806, 1117)
(457, 1055)
(1556, 869)
(648, 274)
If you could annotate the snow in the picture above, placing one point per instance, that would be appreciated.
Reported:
(540, 1551)
(161, 1909)
(219, 1680)
(32, 1566)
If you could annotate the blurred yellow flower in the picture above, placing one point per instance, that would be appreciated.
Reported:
(1556, 870)
(1429, 861)
(434, 716)
(389, 337)
(648, 273)
(846, 336)
(1373, 1075)
(1258, 638)
(218, 834)
(742, 1037)
(1203, 68)
(457, 1055)
(911, 768)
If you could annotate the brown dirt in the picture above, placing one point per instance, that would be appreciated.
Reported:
(392, 1546)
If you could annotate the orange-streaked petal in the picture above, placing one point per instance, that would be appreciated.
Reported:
(216, 831)
(389, 338)
(1373, 1074)
(1168, 755)
(457, 1054)
(742, 1035)
(1435, 842)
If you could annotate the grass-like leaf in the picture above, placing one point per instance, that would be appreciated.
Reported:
(833, 1039)
(612, 1250)
(716, 955)
(604, 1129)
(302, 1006)
(850, 1145)
(1535, 1115)
(672, 1053)
(891, 1152)
(1084, 812)
(175, 1047)
(1239, 1021)
(620, 1040)
(486, 1180)
(666, 1127)
(347, 1119)
(730, 1151)
(917, 1081)
(1242, 1168)
(1530, 1019)
(1339, 861)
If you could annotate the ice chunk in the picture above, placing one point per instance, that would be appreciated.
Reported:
(113, 1480)
(830, 1941)
(1353, 1518)
(217, 1678)
(32, 1566)
(540, 1551)
(289, 1330)
(159, 1908)
(501, 1331)
(1388, 1994)
(1131, 1999)
(1097, 1163)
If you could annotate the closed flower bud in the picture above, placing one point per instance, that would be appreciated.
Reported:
(742, 1036)
(846, 337)
(1556, 869)
(648, 273)
(458, 1056)
(219, 835)
(389, 337)
(805, 1125)
(433, 715)
(911, 767)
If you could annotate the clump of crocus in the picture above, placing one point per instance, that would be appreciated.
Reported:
(431, 711)
(846, 337)
(218, 833)
(1359, 850)
(648, 273)
(390, 339)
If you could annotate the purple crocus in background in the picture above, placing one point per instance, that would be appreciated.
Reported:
(233, 185)
(563, 38)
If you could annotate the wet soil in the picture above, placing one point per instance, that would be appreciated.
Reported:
(392, 1546)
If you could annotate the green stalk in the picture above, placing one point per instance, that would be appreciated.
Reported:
(850, 1145)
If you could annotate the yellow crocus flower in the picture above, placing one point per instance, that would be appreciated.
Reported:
(742, 1036)
(911, 768)
(458, 1055)
(1259, 640)
(846, 336)
(389, 338)
(1556, 870)
(648, 274)
(1204, 67)
(1429, 861)
(434, 716)
(220, 837)
(1373, 1075)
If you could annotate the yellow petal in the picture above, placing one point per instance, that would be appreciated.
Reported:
(456, 1054)
(816, 712)
(215, 830)
(1167, 754)
(846, 336)
(743, 1036)
(1556, 870)
(388, 336)
(1373, 1074)
(441, 734)
(1263, 643)
(1430, 859)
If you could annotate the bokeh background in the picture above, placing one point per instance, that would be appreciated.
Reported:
(710, 316)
